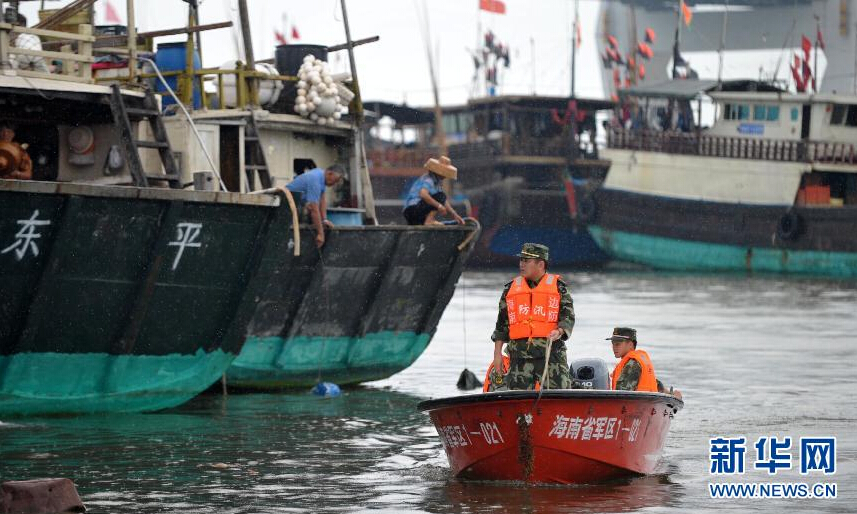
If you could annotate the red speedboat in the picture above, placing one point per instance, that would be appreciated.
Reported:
(568, 436)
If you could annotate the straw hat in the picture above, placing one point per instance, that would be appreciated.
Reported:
(442, 167)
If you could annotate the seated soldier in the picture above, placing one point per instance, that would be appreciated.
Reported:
(635, 371)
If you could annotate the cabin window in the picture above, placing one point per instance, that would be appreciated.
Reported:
(773, 113)
(838, 114)
(450, 123)
(766, 112)
(736, 112)
(851, 120)
(795, 113)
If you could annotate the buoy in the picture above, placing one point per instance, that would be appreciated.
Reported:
(326, 389)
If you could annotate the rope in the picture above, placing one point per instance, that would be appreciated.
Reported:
(464, 315)
(470, 236)
(296, 230)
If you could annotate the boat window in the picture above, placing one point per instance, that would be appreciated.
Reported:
(795, 113)
(838, 114)
(450, 123)
(737, 112)
(773, 112)
(759, 112)
(851, 120)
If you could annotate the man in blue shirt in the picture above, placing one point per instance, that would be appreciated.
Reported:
(311, 185)
(426, 199)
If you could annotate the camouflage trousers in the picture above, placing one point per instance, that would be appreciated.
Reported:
(527, 363)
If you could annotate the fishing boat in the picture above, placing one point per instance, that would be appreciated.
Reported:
(553, 436)
(521, 161)
(135, 293)
(771, 186)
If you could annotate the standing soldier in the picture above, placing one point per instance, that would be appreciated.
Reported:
(535, 307)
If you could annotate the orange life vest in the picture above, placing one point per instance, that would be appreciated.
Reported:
(647, 382)
(533, 312)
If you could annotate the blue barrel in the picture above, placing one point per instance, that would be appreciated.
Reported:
(171, 57)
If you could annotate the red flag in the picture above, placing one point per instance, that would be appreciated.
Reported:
(818, 38)
(295, 33)
(495, 6)
(641, 71)
(686, 13)
(613, 42)
(799, 85)
(650, 35)
(281, 39)
(111, 15)
(797, 62)
(577, 35)
(806, 44)
(645, 50)
(807, 72)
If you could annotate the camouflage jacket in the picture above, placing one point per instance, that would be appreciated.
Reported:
(629, 377)
(566, 314)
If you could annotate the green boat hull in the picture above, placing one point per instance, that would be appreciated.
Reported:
(122, 299)
(276, 362)
(684, 255)
(46, 383)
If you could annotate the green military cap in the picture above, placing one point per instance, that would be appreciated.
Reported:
(534, 251)
(623, 334)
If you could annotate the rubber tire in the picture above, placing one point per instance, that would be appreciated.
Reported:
(587, 211)
(789, 226)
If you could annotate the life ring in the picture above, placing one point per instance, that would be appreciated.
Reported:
(789, 226)
(586, 209)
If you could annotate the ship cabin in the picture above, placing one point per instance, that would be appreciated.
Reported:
(525, 141)
(747, 120)
(84, 115)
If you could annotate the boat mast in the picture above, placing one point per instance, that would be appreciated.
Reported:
(250, 61)
(677, 39)
(363, 184)
(722, 47)
(574, 30)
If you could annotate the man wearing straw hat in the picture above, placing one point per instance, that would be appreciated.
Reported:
(536, 316)
(426, 198)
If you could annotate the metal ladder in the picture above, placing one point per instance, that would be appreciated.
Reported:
(255, 161)
(131, 145)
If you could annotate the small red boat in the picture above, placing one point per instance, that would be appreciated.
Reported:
(567, 436)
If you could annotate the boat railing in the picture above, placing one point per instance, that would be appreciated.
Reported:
(74, 60)
(399, 158)
(688, 143)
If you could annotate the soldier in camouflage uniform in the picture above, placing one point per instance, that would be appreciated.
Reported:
(624, 340)
(527, 356)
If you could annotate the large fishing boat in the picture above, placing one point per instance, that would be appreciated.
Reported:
(119, 295)
(519, 160)
(770, 186)
(554, 436)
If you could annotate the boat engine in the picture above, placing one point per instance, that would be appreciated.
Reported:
(591, 373)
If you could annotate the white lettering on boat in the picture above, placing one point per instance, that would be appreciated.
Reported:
(455, 436)
(592, 428)
(25, 238)
(185, 238)
(491, 433)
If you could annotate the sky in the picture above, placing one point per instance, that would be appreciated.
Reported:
(396, 67)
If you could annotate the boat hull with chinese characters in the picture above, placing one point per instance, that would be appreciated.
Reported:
(120, 298)
(567, 436)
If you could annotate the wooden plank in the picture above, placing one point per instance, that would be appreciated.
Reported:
(60, 56)
(52, 33)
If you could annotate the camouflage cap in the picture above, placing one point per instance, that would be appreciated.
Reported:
(623, 334)
(534, 251)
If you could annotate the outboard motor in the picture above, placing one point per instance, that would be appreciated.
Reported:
(591, 373)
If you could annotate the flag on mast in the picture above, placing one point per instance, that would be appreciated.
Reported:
(686, 13)
(495, 6)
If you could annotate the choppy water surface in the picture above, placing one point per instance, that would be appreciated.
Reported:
(753, 356)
